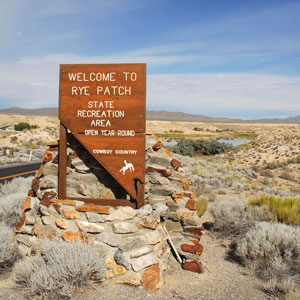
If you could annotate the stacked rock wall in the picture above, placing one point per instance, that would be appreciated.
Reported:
(134, 241)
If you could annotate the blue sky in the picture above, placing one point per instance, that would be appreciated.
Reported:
(217, 58)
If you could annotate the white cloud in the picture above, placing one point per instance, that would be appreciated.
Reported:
(33, 82)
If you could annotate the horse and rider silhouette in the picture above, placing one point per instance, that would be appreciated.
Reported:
(126, 167)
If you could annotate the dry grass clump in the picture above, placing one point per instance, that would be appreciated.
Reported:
(283, 210)
(8, 248)
(201, 206)
(12, 195)
(233, 218)
(273, 251)
(59, 270)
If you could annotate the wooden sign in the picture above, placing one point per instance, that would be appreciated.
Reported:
(103, 105)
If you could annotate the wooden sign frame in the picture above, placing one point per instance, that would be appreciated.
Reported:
(137, 198)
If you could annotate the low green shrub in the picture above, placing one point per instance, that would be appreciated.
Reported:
(201, 206)
(184, 147)
(59, 270)
(283, 210)
(23, 126)
(200, 147)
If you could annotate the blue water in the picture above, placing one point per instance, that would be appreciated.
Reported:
(233, 142)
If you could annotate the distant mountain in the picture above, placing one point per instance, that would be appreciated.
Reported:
(159, 115)
(295, 119)
(180, 116)
(32, 112)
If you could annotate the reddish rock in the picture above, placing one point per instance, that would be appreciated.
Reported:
(45, 202)
(194, 230)
(21, 221)
(186, 215)
(194, 249)
(176, 164)
(45, 232)
(110, 263)
(195, 242)
(119, 270)
(65, 202)
(193, 266)
(30, 193)
(94, 208)
(164, 172)
(148, 222)
(35, 184)
(47, 157)
(157, 146)
(167, 152)
(186, 185)
(74, 236)
(151, 278)
(181, 195)
(71, 214)
(191, 204)
(49, 195)
(26, 203)
(62, 223)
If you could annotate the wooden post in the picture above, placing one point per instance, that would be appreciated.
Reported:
(62, 162)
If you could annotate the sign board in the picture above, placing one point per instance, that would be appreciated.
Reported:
(104, 107)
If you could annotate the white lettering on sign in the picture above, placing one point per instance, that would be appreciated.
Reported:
(101, 110)
(80, 76)
(101, 104)
(80, 90)
(114, 90)
(100, 123)
(126, 152)
(100, 113)
(126, 133)
(102, 151)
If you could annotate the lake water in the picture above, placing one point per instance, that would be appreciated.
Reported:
(233, 142)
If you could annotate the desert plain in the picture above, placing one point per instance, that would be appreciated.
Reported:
(272, 154)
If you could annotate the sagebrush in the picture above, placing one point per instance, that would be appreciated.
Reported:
(8, 248)
(272, 250)
(12, 196)
(59, 269)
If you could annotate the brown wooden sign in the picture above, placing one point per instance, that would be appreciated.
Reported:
(103, 105)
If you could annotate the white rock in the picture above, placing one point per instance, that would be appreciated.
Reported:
(143, 262)
(145, 210)
(121, 214)
(124, 227)
(89, 227)
(140, 251)
(161, 208)
(111, 239)
(154, 237)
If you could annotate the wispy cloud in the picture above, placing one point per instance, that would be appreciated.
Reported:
(33, 82)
